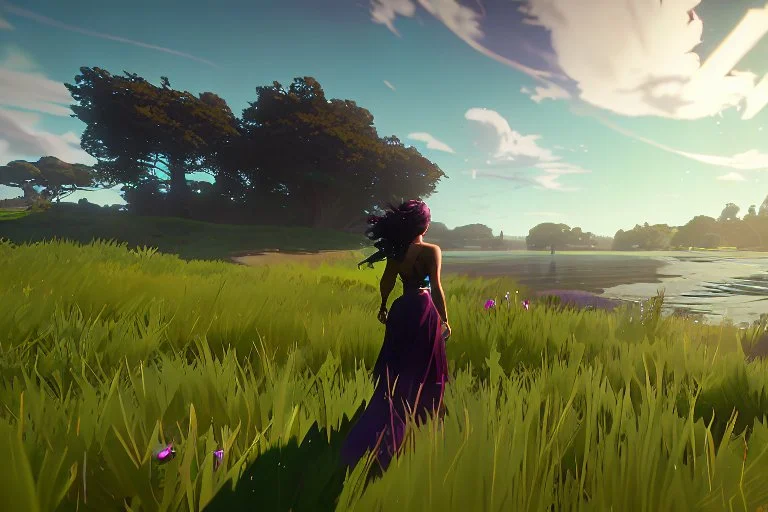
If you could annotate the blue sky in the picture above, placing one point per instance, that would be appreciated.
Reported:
(594, 113)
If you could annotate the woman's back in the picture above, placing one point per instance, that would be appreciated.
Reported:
(415, 267)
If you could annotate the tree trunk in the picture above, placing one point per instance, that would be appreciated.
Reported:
(179, 192)
(30, 194)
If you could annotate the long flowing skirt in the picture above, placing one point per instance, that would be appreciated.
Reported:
(411, 372)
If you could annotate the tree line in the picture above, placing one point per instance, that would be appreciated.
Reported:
(728, 230)
(292, 157)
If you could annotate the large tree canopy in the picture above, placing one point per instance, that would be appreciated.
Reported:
(56, 178)
(136, 130)
(294, 153)
(325, 158)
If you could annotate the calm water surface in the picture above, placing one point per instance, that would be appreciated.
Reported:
(716, 284)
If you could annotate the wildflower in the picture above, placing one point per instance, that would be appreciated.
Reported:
(218, 458)
(526, 304)
(166, 454)
(506, 298)
(489, 304)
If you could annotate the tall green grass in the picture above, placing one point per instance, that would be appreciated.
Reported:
(107, 353)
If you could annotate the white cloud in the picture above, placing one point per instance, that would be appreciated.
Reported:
(547, 92)
(389, 84)
(516, 151)
(636, 57)
(752, 160)
(4, 25)
(385, 12)
(33, 91)
(432, 142)
(731, 176)
(21, 140)
(463, 21)
(511, 144)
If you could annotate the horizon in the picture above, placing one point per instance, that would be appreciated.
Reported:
(537, 116)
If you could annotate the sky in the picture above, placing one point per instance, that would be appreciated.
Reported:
(597, 113)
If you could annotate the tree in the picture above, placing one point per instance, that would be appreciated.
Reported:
(645, 238)
(751, 213)
(473, 232)
(56, 178)
(730, 212)
(136, 130)
(548, 235)
(324, 159)
(763, 211)
(696, 233)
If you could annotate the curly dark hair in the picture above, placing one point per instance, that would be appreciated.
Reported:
(396, 229)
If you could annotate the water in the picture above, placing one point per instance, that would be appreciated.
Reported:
(717, 285)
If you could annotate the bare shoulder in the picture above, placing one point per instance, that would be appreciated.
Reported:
(433, 250)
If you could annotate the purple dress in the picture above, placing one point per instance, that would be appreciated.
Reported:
(412, 360)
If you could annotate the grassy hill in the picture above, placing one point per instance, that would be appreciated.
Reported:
(188, 238)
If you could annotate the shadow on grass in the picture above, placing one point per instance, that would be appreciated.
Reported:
(295, 477)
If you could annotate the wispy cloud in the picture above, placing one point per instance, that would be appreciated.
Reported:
(515, 151)
(17, 59)
(4, 25)
(752, 160)
(25, 13)
(731, 176)
(23, 87)
(389, 84)
(463, 21)
(35, 92)
(547, 92)
(21, 139)
(431, 141)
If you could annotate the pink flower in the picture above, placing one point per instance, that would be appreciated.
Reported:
(489, 304)
(165, 454)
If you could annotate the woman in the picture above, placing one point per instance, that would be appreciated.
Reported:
(411, 370)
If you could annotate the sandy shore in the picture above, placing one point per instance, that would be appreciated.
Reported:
(312, 259)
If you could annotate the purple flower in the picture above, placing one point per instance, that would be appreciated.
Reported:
(166, 454)
(526, 304)
(218, 458)
(489, 304)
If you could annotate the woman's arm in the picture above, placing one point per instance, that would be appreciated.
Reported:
(438, 296)
(387, 282)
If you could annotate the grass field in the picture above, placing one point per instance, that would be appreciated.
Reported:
(187, 238)
(12, 214)
(106, 353)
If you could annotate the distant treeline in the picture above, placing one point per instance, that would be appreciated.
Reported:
(543, 236)
(728, 230)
